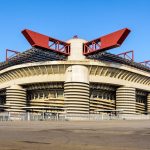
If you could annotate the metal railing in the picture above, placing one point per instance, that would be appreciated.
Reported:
(7, 116)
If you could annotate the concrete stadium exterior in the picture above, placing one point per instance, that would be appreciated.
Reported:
(76, 85)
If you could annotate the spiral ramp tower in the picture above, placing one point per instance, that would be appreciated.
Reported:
(15, 98)
(126, 100)
(76, 86)
(148, 103)
(76, 90)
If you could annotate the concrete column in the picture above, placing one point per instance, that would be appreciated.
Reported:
(76, 90)
(148, 103)
(126, 100)
(15, 98)
(76, 46)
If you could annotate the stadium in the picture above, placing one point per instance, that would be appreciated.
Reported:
(74, 77)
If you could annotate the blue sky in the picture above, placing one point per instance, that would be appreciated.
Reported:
(88, 19)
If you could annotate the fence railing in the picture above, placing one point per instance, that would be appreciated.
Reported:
(7, 116)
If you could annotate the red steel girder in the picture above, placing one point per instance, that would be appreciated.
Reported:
(106, 42)
(146, 63)
(12, 51)
(46, 42)
(126, 55)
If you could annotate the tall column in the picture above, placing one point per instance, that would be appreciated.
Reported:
(148, 103)
(76, 90)
(126, 100)
(15, 98)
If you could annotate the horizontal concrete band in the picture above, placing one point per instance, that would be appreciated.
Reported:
(79, 99)
(68, 105)
(19, 90)
(77, 90)
(15, 96)
(81, 84)
(125, 105)
(73, 102)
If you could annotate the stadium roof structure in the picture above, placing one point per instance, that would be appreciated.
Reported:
(105, 56)
(45, 48)
(32, 55)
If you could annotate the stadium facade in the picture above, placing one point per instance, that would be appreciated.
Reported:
(74, 77)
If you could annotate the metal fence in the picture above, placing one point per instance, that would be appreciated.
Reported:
(7, 116)
(4, 116)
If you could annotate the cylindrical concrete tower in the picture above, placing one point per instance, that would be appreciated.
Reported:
(15, 98)
(76, 90)
(126, 100)
(76, 46)
(148, 103)
(76, 87)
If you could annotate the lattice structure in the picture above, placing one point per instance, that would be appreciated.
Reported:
(116, 59)
(127, 55)
(12, 51)
(146, 63)
(32, 55)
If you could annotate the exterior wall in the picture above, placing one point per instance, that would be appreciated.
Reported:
(102, 97)
(141, 102)
(101, 72)
(46, 95)
(93, 72)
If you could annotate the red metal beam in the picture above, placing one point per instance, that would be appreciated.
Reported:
(12, 51)
(106, 42)
(42, 41)
(146, 63)
(127, 56)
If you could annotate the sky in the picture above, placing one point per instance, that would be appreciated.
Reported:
(89, 19)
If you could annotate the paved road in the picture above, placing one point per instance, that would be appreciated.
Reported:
(77, 135)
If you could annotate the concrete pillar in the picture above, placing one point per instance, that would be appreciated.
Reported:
(76, 90)
(148, 103)
(76, 46)
(15, 98)
(126, 100)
